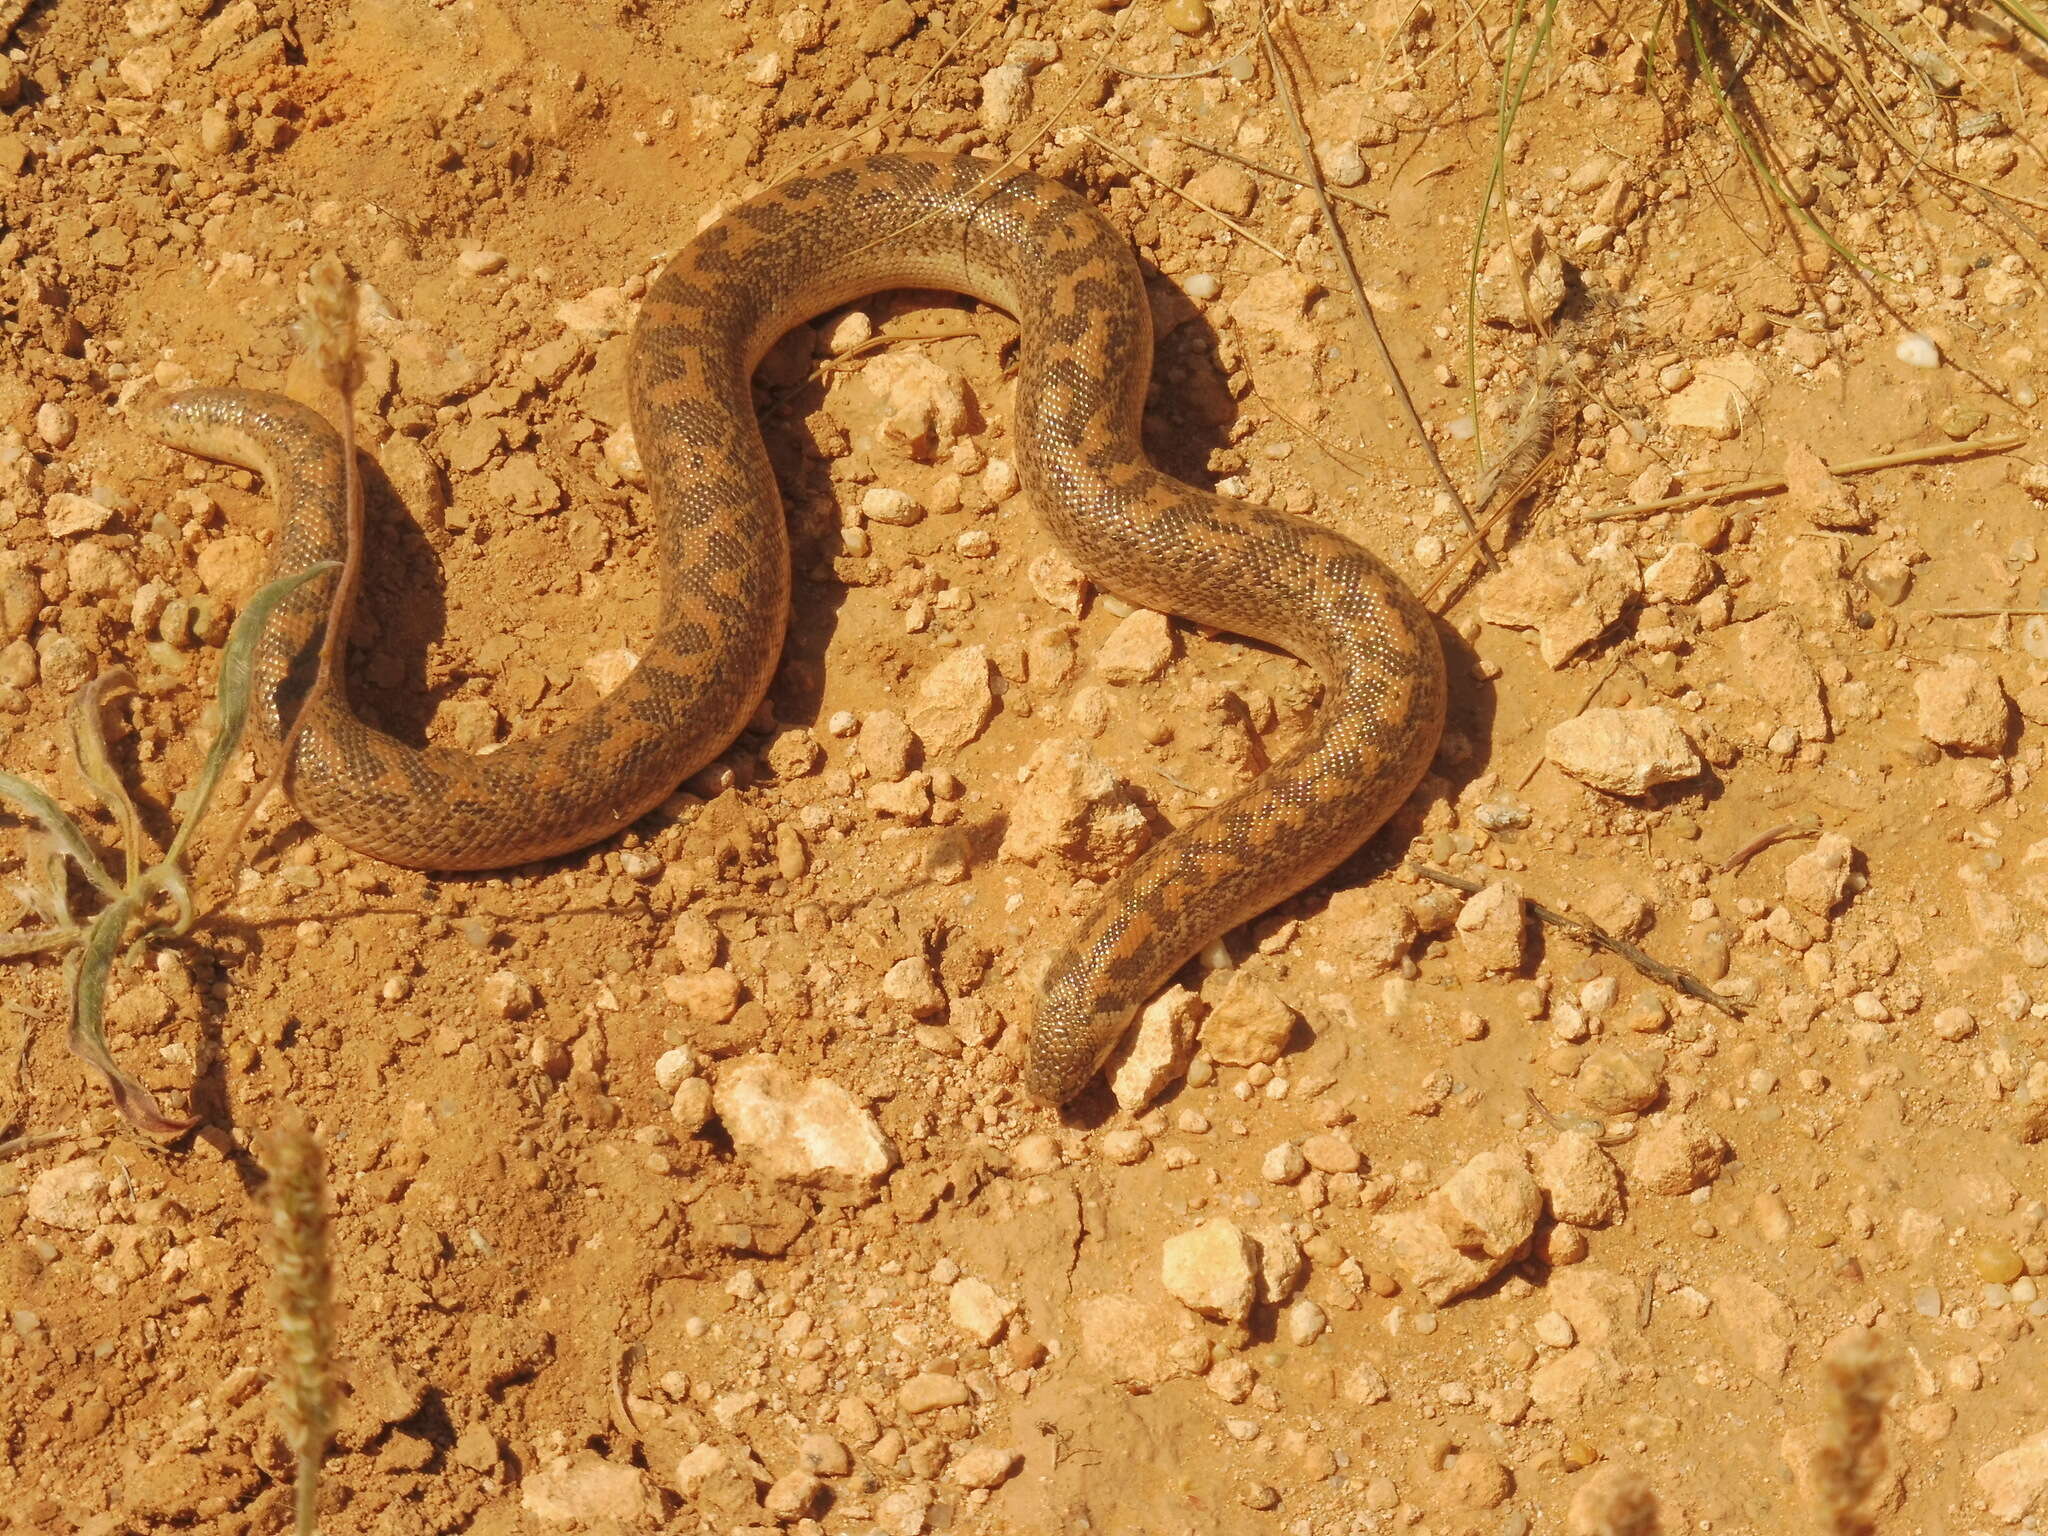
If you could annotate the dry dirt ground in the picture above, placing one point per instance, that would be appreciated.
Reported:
(572, 1298)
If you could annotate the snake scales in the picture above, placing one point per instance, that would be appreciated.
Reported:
(1040, 251)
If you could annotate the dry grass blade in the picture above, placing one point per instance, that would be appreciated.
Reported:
(303, 1286)
(1188, 197)
(1344, 194)
(1938, 453)
(86, 719)
(1311, 167)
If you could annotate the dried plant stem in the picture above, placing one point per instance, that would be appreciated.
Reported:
(304, 1279)
(1599, 938)
(1283, 82)
(1932, 455)
(1188, 197)
(1344, 194)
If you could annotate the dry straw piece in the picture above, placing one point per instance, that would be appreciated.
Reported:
(303, 1284)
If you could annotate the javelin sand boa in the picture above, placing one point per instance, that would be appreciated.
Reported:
(1042, 252)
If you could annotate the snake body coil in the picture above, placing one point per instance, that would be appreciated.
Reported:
(1040, 251)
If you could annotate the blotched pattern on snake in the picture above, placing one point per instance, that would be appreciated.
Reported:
(1042, 252)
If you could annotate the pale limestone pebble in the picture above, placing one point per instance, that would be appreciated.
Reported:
(720, 1482)
(1413, 1244)
(1277, 302)
(1232, 1378)
(1005, 98)
(1212, 1270)
(803, 1132)
(1757, 1324)
(931, 1390)
(232, 566)
(585, 1490)
(63, 664)
(1226, 187)
(999, 481)
(1306, 1322)
(882, 504)
(887, 747)
(476, 261)
(1156, 1051)
(985, 1466)
(1580, 1180)
(1137, 650)
(1492, 929)
(673, 1065)
(908, 800)
(1724, 394)
(1676, 1154)
(910, 984)
(1373, 927)
(2034, 481)
(956, 700)
(21, 601)
(94, 570)
(1623, 751)
(1058, 582)
(68, 1196)
(66, 515)
(1523, 283)
(1283, 1164)
(152, 18)
(1568, 602)
(1075, 814)
(1554, 1330)
(1613, 1500)
(1820, 879)
(1612, 1081)
(56, 424)
(1682, 574)
(1250, 1024)
(849, 333)
(1775, 670)
(925, 405)
(1827, 500)
(1038, 1153)
(507, 995)
(1491, 1204)
(606, 670)
(695, 941)
(768, 70)
(1363, 1385)
(2014, 1483)
(598, 314)
(1963, 706)
(1332, 1152)
(800, 30)
(691, 1107)
(1953, 1024)
(794, 753)
(1125, 1147)
(1127, 1341)
(705, 997)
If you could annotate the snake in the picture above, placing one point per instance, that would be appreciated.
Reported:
(825, 237)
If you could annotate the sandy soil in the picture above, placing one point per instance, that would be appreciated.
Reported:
(571, 1301)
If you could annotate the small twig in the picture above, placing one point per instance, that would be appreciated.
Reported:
(1345, 193)
(846, 359)
(1188, 197)
(1313, 169)
(1987, 613)
(1341, 457)
(1599, 938)
(1806, 826)
(1776, 483)
(1182, 74)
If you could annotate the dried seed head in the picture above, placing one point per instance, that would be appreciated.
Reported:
(331, 322)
